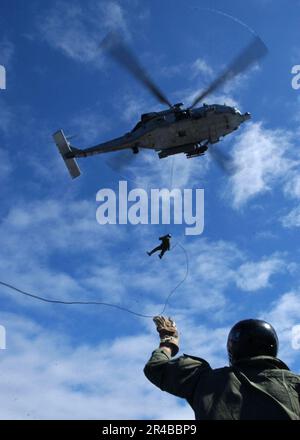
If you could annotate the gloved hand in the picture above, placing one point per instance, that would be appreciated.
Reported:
(168, 333)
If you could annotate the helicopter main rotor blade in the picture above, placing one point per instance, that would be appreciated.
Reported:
(122, 163)
(224, 161)
(252, 53)
(117, 49)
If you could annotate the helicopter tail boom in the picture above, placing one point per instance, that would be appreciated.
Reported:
(65, 149)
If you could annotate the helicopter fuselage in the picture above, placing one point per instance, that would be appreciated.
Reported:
(174, 131)
(168, 132)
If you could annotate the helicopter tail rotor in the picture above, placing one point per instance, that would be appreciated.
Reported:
(65, 150)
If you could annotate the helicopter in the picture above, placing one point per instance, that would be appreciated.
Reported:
(175, 130)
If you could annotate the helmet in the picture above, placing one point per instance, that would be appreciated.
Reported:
(251, 337)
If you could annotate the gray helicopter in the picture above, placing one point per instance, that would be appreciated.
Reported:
(176, 130)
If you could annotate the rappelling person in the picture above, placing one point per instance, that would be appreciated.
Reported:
(256, 385)
(163, 247)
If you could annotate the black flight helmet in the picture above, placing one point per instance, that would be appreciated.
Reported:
(249, 338)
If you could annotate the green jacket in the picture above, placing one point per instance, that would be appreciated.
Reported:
(261, 387)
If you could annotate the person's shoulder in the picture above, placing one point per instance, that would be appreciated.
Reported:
(262, 362)
(194, 359)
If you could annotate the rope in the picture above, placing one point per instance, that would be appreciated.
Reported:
(172, 173)
(183, 279)
(124, 309)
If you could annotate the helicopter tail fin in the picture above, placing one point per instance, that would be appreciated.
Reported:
(65, 149)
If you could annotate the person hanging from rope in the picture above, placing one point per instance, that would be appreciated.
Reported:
(163, 247)
(255, 385)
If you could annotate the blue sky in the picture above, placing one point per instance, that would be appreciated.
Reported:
(246, 262)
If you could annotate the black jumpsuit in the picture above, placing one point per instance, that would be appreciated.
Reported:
(163, 247)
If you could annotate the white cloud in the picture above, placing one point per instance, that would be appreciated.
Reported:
(63, 28)
(45, 377)
(132, 106)
(6, 118)
(292, 219)
(286, 310)
(173, 172)
(202, 67)
(170, 71)
(61, 220)
(261, 159)
(192, 70)
(189, 94)
(114, 16)
(216, 261)
(252, 276)
(39, 239)
(77, 31)
(91, 127)
(6, 165)
(208, 343)
(7, 50)
(283, 315)
(34, 234)
(220, 264)
(292, 186)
